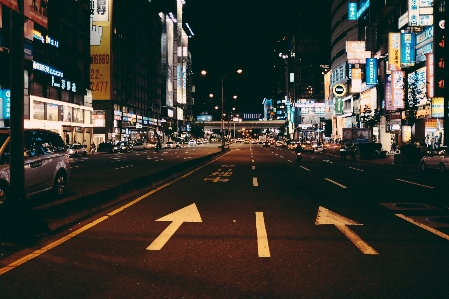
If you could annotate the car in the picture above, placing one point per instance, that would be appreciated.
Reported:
(106, 147)
(246, 141)
(46, 163)
(437, 158)
(198, 142)
(292, 145)
(308, 147)
(171, 144)
(266, 144)
(141, 146)
(317, 146)
(124, 147)
(76, 150)
(192, 142)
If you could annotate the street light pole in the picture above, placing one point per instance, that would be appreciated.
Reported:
(239, 71)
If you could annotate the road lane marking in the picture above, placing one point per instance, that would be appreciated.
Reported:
(428, 228)
(304, 168)
(44, 249)
(253, 167)
(262, 237)
(255, 183)
(326, 216)
(356, 168)
(252, 161)
(177, 218)
(425, 186)
(338, 184)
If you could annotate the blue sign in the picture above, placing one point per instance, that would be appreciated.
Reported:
(204, 118)
(371, 71)
(408, 41)
(352, 11)
(5, 94)
(363, 6)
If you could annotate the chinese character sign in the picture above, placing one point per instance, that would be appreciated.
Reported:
(408, 42)
(352, 11)
(413, 13)
(394, 47)
(397, 89)
(6, 98)
(371, 71)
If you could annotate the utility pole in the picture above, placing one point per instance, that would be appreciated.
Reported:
(17, 176)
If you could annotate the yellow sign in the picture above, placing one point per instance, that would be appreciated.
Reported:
(394, 51)
(100, 51)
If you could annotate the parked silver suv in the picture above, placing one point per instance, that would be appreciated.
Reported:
(437, 158)
(46, 164)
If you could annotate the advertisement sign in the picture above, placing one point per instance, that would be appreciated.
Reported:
(10, 3)
(397, 89)
(413, 13)
(356, 81)
(5, 96)
(100, 49)
(417, 86)
(430, 75)
(169, 79)
(356, 52)
(204, 118)
(408, 42)
(99, 118)
(352, 11)
(36, 10)
(356, 135)
(338, 106)
(424, 44)
(439, 55)
(388, 94)
(394, 47)
(371, 71)
(339, 90)
(437, 107)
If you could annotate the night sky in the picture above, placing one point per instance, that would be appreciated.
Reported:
(232, 34)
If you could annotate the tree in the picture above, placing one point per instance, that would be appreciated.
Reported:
(197, 130)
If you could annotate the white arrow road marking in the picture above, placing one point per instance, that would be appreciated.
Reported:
(262, 237)
(425, 186)
(338, 184)
(430, 229)
(255, 183)
(187, 214)
(326, 216)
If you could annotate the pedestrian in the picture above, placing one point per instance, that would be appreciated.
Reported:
(93, 148)
(343, 149)
(352, 151)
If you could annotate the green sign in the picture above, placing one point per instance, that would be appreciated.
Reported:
(338, 106)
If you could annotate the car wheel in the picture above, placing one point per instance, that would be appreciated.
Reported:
(60, 184)
(423, 166)
(442, 168)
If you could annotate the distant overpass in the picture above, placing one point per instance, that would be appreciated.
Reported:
(246, 124)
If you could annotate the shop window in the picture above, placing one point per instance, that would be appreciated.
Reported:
(38, 110)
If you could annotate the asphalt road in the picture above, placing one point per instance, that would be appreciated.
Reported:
(254, 223)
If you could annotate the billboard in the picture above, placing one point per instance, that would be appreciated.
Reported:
(413, 13)
(356, 81)
(100, 49)
(5, 97)
(408, 42)
(169, 50)
(437, 107)
(394, 54)
(397, 89)
(439, 55)
(424, 43)
(388, 94)
(352, 11)
(417, 82)
(371, 71)
(356, 135)
(356, 52)
(430, 75)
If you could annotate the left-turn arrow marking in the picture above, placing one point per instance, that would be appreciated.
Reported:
(326, 216)
(187, 214)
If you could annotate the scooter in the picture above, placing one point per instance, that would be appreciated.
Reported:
(298, 156)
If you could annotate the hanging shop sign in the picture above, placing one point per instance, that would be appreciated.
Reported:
(356, 52)
(352, 11)
(424, 44)
(356, 80)
(394, 54)
(413, 13)
(339, 90)
(439, 56)
(371, 71)
(437, 107)
(5, 96)
(408, 42)
(397, 89)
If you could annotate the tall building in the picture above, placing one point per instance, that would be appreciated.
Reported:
(125, 72)
(56, 67)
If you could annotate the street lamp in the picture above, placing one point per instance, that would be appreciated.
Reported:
(203, 72)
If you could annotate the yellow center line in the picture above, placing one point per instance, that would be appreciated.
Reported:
(52, 245)
(262, 237)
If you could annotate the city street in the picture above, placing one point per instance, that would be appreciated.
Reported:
(254, 223)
